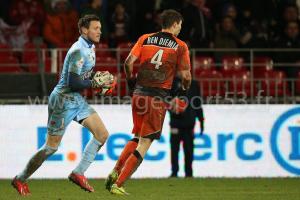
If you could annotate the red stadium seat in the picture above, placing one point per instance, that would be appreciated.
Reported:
(102, 45)
(232, 64)
(202, 63)
(240, 84)
(274, 84)
(5, 51)
(33, 64)
(210, 82)
(9, 64)
(62, 52)
(298, 84)
(124, 49)
(272, 81)
(30, 57)
(106, 64)
(122, 86)
(261, 65)
(102, 50)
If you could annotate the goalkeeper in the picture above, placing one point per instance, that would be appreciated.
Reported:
(67, 104)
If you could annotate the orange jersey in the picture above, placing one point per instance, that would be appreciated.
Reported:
(160, 56)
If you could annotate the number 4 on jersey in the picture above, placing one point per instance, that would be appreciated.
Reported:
(156, 59)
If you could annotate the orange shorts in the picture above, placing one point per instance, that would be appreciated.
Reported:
(148, 116)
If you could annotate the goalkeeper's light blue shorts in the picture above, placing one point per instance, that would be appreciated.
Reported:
(62, 109)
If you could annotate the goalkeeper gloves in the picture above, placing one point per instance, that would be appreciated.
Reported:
(105, 90)
(102, 79)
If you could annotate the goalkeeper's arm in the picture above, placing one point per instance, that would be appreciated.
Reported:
(99, 79)
(76, 84)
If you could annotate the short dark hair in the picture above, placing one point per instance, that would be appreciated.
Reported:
(85, 21)
(169, 17)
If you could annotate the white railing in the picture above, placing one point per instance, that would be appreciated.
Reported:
(51, 61)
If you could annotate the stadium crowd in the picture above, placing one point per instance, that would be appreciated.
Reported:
(213, 23)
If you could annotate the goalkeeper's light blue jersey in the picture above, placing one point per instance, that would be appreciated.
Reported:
(80, 60)
(65, 105)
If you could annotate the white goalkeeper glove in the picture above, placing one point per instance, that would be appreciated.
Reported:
(102, 79)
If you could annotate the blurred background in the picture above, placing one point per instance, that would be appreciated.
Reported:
(239, 49)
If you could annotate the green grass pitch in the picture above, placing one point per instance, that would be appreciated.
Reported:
(165, 189)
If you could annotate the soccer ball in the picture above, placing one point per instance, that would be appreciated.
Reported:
(106, 90)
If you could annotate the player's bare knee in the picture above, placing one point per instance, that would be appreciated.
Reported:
(101, 136)
(145, 141)
(104, 138)
(49, 150)
(143, 146)
(53, 141)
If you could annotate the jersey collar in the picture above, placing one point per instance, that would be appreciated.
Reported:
(87, 43)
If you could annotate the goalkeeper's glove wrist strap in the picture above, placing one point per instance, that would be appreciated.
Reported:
(94, 84)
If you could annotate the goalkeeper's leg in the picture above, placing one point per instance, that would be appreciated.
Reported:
(35, 162)
(97, 128)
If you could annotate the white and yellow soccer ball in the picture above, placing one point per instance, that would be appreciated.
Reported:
(107, 90)
(102, 79)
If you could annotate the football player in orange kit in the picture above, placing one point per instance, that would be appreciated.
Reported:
(161, 57)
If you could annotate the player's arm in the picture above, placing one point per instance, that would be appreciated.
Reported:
(75, 83)
(184, 67)
(186, 78)
(128, 65)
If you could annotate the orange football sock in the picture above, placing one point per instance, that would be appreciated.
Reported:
(132, 163)
(128, 149)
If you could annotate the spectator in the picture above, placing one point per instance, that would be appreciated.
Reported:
(119, 26)
(244, 24)
(196, 26)
(182, 124)
(254, 36)
(132, 8)
(28, 11)
(227, 36)
(230, 11)
(14, 36)
(171, 4)
(147, 17)
(95, 7)
(4, 9)
(211, 4)
(77, 4)
(260, 10)
(289, 40)
(61, 25)
(290, 14)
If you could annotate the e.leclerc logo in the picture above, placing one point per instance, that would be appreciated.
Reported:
(287, 128)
